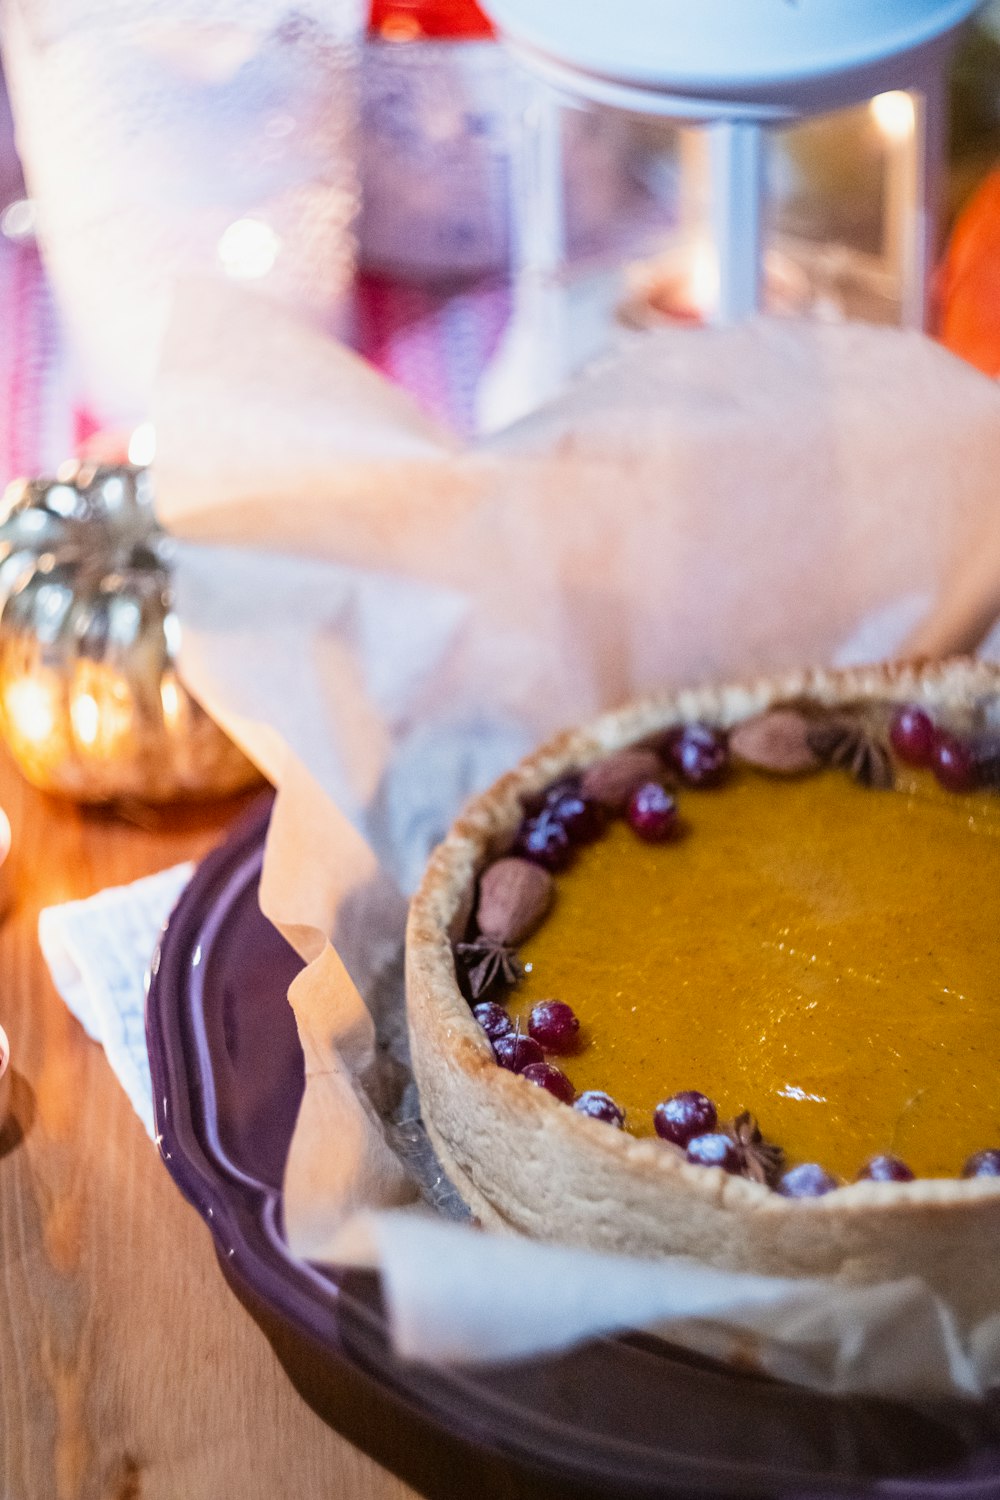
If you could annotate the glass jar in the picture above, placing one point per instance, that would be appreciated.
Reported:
(445, 112)
(170, 137)
(435, 141)
(451, 125)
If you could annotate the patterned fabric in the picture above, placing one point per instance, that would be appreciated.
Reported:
(38, 424)
(433, 343)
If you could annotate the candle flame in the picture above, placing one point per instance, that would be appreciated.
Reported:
(895, 115)
(703, 279)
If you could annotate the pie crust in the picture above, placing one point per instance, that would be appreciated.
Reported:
(525, 1162)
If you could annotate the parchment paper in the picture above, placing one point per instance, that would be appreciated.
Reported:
(386, 621)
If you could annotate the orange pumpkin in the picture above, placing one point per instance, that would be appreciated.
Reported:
(969, 286)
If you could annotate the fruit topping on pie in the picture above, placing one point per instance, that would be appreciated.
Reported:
(774, 951)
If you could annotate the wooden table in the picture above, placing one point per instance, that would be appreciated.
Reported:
(128, 1368)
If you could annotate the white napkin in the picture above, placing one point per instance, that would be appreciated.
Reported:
(98, 952)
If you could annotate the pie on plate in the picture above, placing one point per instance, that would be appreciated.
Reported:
(752, 967)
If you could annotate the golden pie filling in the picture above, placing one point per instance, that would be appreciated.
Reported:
(822, 954)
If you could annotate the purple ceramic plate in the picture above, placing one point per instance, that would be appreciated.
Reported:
(619, 1416)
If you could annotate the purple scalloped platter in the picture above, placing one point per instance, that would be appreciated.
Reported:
(626, 1416)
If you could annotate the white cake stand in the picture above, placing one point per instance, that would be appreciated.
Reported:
(738, 65)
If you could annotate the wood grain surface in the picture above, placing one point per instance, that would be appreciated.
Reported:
(128, 1369)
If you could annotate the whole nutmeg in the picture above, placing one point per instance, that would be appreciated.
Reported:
(776, 741)
(514, 895)
(612, 781)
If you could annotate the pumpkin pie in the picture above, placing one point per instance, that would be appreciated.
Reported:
(743, 943)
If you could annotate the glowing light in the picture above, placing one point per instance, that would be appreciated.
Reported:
(29, 710)
(894, 114)
(248, 249)
(86, 718)
(142, 445)
(703, 279)
(171, 701)
(400, 29)
(172, 634)
(682, 285)
(18, 220)
(62, 500)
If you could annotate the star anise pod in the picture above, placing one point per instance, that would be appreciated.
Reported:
(487, 961)
(760, 1160)
(852, 745)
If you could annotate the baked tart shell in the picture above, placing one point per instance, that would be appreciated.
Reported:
(526, 1163)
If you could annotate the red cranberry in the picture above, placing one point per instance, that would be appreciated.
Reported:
(683, 1116)
(583, 820)
(714, 1151)
(983, 1164)
(544, 840)
(652, 813)
(493, 1019)
(552, 1079)
(516, 1052)
(601, 1106)
(554, 1026)
(954, 763)
(885, 1169)
(912, 735)
(806, 1181)
(699, 755)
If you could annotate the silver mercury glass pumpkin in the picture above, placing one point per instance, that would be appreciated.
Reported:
(91, 705)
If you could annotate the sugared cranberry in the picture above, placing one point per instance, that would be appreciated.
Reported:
(601, 1106)
(583, 820)
(652, 813)
(983, 1164)
(534, 802)
(493, 1019)
(912, 735)
(885, 1169)
(954, 763)
(554, 1026)
(714, 1151)
(699, 755)
(806, 1181)
(544, 840)
(516, 1052)
(683, 1116)
(554, 1080)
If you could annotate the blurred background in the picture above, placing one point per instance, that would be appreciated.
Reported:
(393, 175)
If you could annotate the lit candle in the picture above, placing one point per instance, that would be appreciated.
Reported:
(895, 116)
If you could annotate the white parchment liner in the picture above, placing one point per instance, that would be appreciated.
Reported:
(385, 622)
